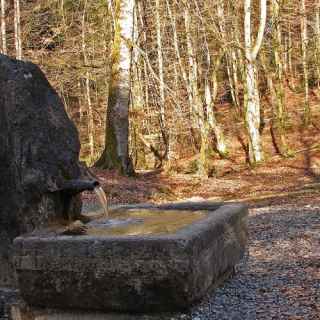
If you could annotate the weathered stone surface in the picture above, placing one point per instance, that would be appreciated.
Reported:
(22, 312)
(39, 150)
(129, 273)
(8, 297)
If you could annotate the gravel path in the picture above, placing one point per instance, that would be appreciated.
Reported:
(280, 276)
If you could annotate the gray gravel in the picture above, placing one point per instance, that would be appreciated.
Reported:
(279, 278)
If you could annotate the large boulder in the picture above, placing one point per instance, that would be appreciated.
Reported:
(39, 149)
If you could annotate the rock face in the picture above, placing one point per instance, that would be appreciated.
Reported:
(39, 150)
(133, 273)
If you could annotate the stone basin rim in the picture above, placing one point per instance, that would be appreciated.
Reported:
(223, 212)
(133, 274)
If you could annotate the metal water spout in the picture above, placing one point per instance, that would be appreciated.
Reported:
(76, 186)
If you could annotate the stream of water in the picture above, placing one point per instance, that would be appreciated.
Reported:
(103, 199)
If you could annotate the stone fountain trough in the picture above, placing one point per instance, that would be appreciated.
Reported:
(142, 259)
(135, 265)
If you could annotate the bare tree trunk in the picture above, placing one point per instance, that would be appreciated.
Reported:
(230, 57)
(211, 84)
(163, 125)
(138, 103)
(279, 82)
(63, 13)
(210, 99)
(17, 29)
(291, 69)
(317, 29)
(160, 64)
(252, 91)
(145, 67)
(116, 152)
(197, 105)
(182, 68)
(178, 55)
(3, 27)
(88, 94)
(304, 43)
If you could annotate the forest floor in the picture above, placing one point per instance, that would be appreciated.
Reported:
(280, 276)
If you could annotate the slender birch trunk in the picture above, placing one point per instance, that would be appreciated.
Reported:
(317, 30)
(116, 152)
(210, 97)
(145, 67)
(210, 79)
(63, 13)
(285, 55)
(160, 64)
(230, 55)
(239, 57)
(304, 43)
(252, 92)
(87, 85)
(279, 81)
(80, 101)
(163, 125)
(178, 55)
(291, 69)
(3, 27)
(17, 29)
(234, 64)
(197, 106)
(138, 94)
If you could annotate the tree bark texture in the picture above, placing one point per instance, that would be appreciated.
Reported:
(252, 99)
(116, 153)
(3, 27)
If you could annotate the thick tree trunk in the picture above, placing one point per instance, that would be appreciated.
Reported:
(116, 152)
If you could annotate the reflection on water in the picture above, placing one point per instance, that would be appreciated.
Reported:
(103, 199)
(144, 222)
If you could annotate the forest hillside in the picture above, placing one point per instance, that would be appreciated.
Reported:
(192, 108)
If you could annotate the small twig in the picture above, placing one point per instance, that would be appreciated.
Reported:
(314, 147)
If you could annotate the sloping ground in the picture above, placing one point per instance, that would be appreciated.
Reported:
(277, 177)
(280, 276)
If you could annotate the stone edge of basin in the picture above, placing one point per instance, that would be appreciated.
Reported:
(135, 274)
